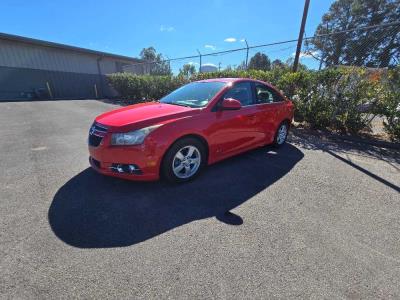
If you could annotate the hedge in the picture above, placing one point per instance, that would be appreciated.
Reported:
(343, 98)
(144, 87)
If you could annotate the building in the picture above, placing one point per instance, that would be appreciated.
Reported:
(206, 68)
(36, 69)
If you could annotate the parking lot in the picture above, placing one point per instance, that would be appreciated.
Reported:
(314, 219)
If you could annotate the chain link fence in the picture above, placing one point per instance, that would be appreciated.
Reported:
(375, 46)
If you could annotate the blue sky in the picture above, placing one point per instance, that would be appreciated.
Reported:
(174, 28)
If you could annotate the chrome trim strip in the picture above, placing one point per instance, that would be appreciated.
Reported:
(101, 126)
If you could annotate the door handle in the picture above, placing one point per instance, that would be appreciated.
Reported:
(252, 117)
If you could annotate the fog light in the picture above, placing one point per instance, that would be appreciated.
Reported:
(126, 168)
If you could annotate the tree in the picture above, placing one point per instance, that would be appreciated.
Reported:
(376, 47)
(187, 70)
(156, 64)
(278, 64)
(260, 61)
(228, 68)
(241, 66)
(289, 64)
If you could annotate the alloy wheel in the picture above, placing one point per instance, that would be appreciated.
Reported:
(282, 133)
(186, 162)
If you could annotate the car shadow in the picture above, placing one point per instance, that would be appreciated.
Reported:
(94, 211)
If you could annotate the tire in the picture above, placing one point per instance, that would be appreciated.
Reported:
(178, 165)
(281, 135)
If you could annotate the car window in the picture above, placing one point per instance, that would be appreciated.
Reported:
(265, 94)
(277, 97)
(242, 92)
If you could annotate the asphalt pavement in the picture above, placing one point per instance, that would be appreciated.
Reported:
(314, 219)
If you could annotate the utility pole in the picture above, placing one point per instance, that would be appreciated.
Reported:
(219, 66)
(301, 33)
(169, 63)
(247, 52)
(200, 60)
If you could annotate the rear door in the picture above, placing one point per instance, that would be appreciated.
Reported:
(270, 109)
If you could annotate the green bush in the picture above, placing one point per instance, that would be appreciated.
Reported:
(140, 88)
(339, 98)
(389, 105)
(354, 98)
(342, 98)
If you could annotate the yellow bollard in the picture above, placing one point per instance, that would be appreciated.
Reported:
(49, 90)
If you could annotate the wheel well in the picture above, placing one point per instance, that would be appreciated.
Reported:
(287, 121)
(195, 136)
(198, 137)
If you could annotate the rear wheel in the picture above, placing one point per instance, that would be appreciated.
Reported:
(281, 134)
(184, 160)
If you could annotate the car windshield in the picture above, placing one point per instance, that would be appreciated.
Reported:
(195, 94)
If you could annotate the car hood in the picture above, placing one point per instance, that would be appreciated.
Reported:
(143, 114)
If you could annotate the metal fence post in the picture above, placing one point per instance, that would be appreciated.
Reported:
(247, 52)
(200, 60)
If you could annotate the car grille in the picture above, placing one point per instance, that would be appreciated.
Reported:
(96, 134)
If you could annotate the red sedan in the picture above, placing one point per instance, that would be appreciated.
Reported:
(196, 125)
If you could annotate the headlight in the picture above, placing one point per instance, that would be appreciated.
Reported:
(133, 137)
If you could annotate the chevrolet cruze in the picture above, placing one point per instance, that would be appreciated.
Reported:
(196, 125)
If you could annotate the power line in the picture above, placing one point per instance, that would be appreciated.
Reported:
(359, 47)
(354, 29)
(268, 44)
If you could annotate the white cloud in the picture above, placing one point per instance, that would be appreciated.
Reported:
(212, 47)
(166, 28)
(230, 40)
(192, 63)
(242, 40)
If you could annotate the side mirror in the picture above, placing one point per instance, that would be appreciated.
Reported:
(230, 104)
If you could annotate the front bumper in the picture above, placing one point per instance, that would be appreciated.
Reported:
(106, 168)
(146, 159)
(135, 162)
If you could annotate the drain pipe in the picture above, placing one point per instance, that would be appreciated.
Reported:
(101, 86)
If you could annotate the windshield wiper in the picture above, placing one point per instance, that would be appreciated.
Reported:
(179, 104)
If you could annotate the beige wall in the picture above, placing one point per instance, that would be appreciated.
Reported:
(23, 55)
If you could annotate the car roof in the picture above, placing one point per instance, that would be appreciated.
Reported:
(235, 80)
(224, 79)
(232, 80)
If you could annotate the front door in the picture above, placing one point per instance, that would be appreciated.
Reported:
(236, 130)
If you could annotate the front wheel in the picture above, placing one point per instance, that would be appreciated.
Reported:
(184, 160)
(281, 134)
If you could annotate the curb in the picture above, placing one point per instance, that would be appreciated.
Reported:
(381, 144)
(337, 137)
